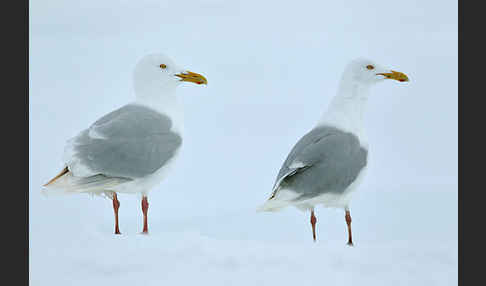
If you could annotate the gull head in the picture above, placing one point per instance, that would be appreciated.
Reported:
(367, 72)
(157, 71)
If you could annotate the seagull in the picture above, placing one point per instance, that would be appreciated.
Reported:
(329, 162)
(130, 149)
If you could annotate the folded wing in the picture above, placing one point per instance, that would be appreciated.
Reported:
(325, 160)
(130, 142)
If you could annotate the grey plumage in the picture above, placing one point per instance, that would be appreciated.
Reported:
(325, 160)
(130, 142)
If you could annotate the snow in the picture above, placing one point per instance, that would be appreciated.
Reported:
(398, 241)
(190, 258)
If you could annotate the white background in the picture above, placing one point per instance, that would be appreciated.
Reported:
(272, 69)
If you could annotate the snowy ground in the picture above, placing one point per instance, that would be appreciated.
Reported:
(399, 241)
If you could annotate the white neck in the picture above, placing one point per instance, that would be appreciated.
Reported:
(347, 108)
(163, 99)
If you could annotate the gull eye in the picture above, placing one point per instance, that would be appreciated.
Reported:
(370, 67)
(162, 66)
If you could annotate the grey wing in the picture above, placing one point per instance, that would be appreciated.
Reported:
(325, 160)
(130, 142)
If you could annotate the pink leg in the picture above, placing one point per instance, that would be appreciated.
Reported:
(116, 206)
(348, 222)
(145, 206)
(313, 221)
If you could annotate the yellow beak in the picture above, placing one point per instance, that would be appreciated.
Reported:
(192, 77)
(395, 75)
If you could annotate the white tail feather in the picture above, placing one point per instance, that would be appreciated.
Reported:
(279, 200)
(272, 206)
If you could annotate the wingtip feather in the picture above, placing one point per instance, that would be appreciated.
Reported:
(62, 173)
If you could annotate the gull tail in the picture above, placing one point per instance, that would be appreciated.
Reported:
(66, 183)
(271, 206)
(280, 198)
